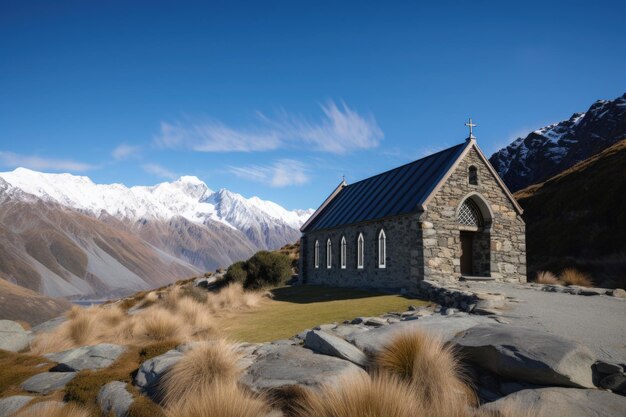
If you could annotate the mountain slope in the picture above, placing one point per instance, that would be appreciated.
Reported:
(19, 303)
(577, 218)
(552, 149)
(63, 235)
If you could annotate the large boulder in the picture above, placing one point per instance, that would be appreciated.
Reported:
(444, 327)
(114, 398)
(570, 402)
(13, 337)
(282, 365)
(9, 405)
(151, 371)
(47, 382)
(528, 355)
(86, 357)
(328, 344)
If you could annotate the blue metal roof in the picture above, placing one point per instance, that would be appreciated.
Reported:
(401, 190)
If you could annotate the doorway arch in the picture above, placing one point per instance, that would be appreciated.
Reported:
(474, 218)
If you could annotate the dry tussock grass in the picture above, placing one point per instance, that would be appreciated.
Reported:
(169, 316)
(382, 395)
(205, 365)
(220, 400)
(571, 276)
(432, 369)
(50, 410)
(546, 277)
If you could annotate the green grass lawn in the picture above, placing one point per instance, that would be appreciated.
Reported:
(294, 309)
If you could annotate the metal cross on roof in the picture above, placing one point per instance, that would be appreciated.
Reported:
(471, 125)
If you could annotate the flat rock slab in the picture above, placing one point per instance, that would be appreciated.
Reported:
(48, 326)
(151, 371)
(528, 355)
(293, 365)
(13, 337)
(114, 398)
(328, 344)
(47, 382)
(570, 402)
(86, 357)
(10, 405)
(445, 327)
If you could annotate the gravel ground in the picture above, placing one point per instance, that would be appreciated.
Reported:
(598, 321)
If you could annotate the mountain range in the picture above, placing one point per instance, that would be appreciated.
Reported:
(552, 149)
(64, 235)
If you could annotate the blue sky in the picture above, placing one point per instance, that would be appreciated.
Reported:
(280, 99)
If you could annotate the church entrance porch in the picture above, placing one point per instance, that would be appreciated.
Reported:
(474, 219)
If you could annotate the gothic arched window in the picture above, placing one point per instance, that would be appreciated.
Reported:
(344, 247)
(382, 249)
(360, 251)
(329, 254)
(316, 256)
(472, 175)
(469, 214)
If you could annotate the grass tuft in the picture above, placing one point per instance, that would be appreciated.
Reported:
(571, 276)
(206, 364)
(221, 399)
(383, 395)
(547, 278)
(53, 410)
(430, 367)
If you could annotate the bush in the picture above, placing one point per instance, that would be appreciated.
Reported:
(267, 269)
(546, 277)
(237, 272)
(571, 276)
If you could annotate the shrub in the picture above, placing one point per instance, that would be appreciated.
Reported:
(220, 400)
(237, 272)
(430, 367)
(267, 269)
(546, 277)
(382, 395)
(200, 368)
(571, 276)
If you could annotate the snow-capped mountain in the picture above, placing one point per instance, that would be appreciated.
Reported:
(554, 148)
(65, 235)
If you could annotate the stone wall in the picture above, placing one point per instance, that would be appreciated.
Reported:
(404, 263)
(506, 229)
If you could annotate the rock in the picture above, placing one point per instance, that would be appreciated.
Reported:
(10, 405)
(48, 326)
(375, 322)
(345, 330)
(13, 337)
(113, 397)
(528, 355)
(86, 357)
(570, 402)
(328, 344)
(619, 293)
(295, 365)
(151, 371)
(490, 300)
(615, 382)
(449, 311)
(608, 368)
(47, 382)
(445, 327)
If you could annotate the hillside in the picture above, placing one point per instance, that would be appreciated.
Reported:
(550, 150)
(63, 235)
(577, 218)
(18, 303)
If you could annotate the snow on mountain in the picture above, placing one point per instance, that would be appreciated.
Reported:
(187, 197)
(549, 150)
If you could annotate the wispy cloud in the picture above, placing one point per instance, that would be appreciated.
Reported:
(124, 151)
(282, 173)
(339, 130)
(13, 160)
(159, 171)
